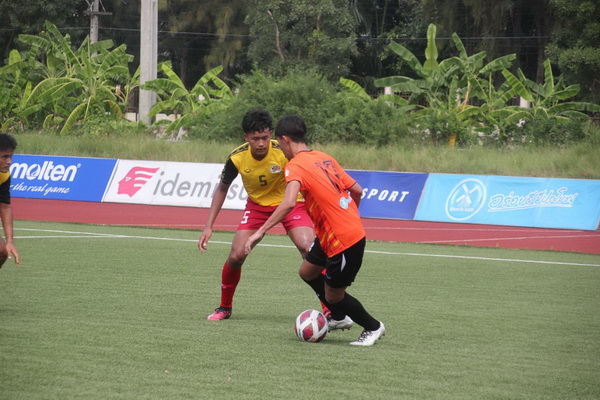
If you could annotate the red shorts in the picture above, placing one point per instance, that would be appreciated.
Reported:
(256, 215)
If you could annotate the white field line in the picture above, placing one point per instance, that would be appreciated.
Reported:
(499, 239)
(500, 229)
(459, 229)
(92, 235)
(573, 233)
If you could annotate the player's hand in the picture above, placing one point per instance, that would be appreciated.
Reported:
(252, 241)
(12, 251)
(203, 241)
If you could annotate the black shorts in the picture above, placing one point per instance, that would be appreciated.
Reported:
(342, 268)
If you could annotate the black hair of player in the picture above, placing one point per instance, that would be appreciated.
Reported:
(7, 142)
(257, 120)
(293, 127)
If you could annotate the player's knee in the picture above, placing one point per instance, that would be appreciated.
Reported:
(3, 257)
(308, 272)
(236, 260)
(303, 253)
(334, 295)
(304, 275)
(333, 298)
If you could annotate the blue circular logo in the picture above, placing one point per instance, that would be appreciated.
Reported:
(465, 200)
(344, 202)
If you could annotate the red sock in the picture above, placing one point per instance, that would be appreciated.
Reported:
(230, 278)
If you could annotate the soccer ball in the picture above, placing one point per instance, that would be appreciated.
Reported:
(311, 326)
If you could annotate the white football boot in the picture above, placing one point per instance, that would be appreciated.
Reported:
(368, 338)
(334, 324)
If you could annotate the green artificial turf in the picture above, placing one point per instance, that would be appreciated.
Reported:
(98, 312)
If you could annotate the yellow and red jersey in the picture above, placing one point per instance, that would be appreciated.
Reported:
(324, 184)
(264, 179)
(5, 187)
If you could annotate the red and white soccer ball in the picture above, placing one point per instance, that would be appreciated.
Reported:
(311, 326)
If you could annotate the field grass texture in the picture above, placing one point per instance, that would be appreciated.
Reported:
(98, 312)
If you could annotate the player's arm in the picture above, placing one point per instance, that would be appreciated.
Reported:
(289, 202)
(356, 193)
(230, 172)
(215, 207)
(7, 225)
(351, 185)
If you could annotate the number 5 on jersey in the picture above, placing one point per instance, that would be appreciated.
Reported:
(263, 180)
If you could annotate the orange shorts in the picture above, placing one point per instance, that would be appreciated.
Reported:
(256, 215)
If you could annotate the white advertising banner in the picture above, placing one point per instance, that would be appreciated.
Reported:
(171, 184)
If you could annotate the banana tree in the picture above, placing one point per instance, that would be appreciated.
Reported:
(446, 116)
(88, 89)
(433, 76)
(15, 88)
(450, 84)
(126, 90)
(355, 93)
(547, 99)
(208, 94)
(475, 76)
(477, 86)
(77, 84)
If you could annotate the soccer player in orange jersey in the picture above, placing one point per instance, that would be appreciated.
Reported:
(261, 164)
(332, 198)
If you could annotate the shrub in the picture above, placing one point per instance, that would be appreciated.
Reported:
(327, 109)
(373, 123)
(299, 92)
(554, 131)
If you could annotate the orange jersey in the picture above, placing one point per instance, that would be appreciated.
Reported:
(324, 184)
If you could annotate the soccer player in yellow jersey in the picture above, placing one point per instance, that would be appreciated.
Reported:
(8, 144)
(261, 164)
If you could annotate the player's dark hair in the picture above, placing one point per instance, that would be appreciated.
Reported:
(7, 142)
(257, 120)
(292, 126)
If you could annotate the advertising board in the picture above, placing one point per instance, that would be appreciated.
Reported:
(60, 178)
(515, 201)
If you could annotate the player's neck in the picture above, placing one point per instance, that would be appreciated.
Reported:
(299, 148)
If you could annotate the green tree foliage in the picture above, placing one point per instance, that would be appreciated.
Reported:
(17, 17)
(457, 96)
(67, 85)
(492, 23)
(332, 115)
(378, 22)
(212, 31)
(304, 32)
(194, 36)
(547, 99)
(15, 89)
(575, 45)
(206, 97)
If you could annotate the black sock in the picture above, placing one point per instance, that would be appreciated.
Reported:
(318, 285)
(354, 309)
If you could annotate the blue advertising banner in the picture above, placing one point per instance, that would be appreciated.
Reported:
(501, 200)
(391, 195)
(60, 178)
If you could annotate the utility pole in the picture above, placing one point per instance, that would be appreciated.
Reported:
(94, 12)
(94, 21)
(148, 56)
